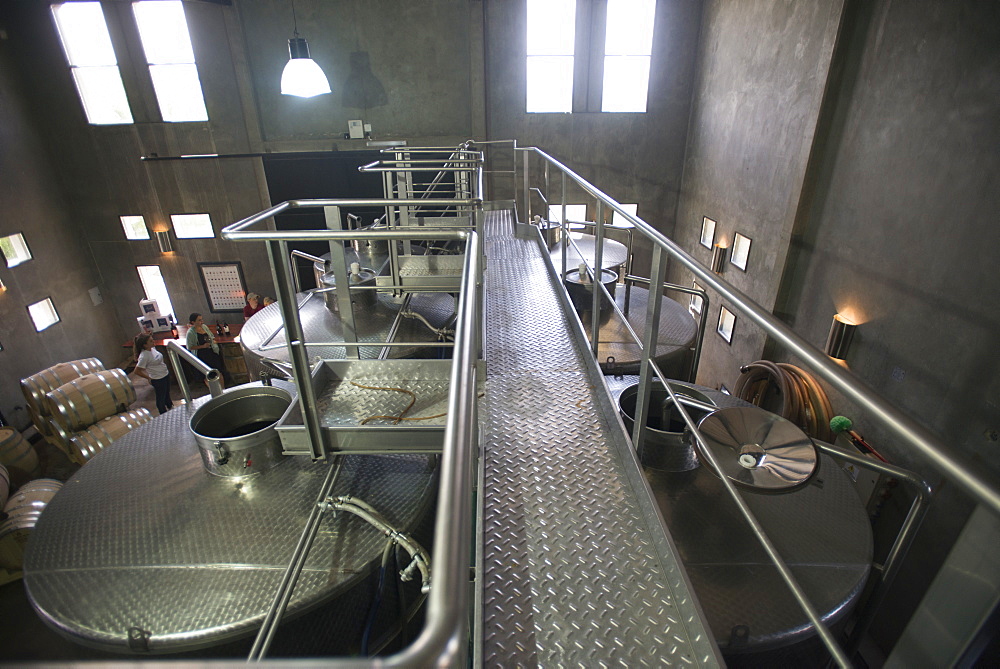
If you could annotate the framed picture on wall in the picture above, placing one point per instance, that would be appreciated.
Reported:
(727, 323)
(225, 287)
(707, 232)
(741, 251)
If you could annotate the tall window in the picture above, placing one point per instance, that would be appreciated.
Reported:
(155, 288)
(167, 44)
(87, 44)
(551, 41)
(627, 48)
(623, 52)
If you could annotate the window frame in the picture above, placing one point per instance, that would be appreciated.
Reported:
(51, 307)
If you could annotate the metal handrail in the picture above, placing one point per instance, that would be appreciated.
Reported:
(441, 641)
(956, 466)
(212, 376)
(980, 486)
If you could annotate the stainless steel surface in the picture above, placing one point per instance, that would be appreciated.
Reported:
(144, 537)
(581, 293)
(675, 339)
(758, 450)
(263, 336)
(615, 253)
(235, 431)
(577, 570)
(358, 400)
(822, 530)
(440, 641)
(667, 445)
(956, 467)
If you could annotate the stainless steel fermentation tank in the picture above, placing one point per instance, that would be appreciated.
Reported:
(820, 529)
(175, 539)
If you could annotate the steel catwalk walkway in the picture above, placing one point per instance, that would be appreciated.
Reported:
(576, 569)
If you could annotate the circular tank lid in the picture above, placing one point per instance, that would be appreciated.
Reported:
(758, 450)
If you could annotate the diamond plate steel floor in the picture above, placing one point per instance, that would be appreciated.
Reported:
(576, 568)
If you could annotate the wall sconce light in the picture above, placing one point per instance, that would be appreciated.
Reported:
(718, 258)
(839, 340)
(163, 239)
(302, 76)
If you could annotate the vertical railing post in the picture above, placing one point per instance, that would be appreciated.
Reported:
(595, 317)
(658, 272)
(527, 190)
(562, 227)
(342, 276)
(278, 255)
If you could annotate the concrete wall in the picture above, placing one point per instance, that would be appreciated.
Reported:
(633, 157)
(899, 237)
(855, 144)
(762, 72)
(60, 268)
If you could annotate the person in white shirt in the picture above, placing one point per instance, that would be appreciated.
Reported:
(150, 365)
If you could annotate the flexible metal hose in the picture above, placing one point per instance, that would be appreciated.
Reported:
(804, 402)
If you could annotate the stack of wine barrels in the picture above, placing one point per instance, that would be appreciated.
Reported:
(80, 407)
(22, 512)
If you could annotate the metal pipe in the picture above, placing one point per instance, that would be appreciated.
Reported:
(976, 481)
(394, 328)
(448, 601)
(372, 344)
(212, 376)
(298, 560)
(295, 267)
(904, 538)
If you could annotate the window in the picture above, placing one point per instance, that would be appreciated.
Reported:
(625, 59)
(43, 314)
(135, 227)
(87, 44)
(14, 249)
(627, 49)
(551, 41)
(574, 212)
(620, 221)
(167, 44)
(155, 288)
(192, 226)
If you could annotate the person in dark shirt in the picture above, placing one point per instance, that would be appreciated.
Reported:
(252, 307)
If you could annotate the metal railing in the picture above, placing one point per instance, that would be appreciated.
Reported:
(892, 419)
(442, 640)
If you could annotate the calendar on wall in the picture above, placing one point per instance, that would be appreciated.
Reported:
(224, 285)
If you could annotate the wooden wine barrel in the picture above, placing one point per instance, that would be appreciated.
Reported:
(37, 386)
(23, 510)
(84, 401)
(91, 441)
(18, 456)
(4, 485)
(60, 437)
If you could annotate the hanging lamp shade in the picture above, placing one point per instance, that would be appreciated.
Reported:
(302, 77)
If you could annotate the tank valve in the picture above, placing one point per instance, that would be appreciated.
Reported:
(223, 457)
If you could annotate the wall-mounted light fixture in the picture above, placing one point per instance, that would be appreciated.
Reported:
(839, 339)
(163, 239)
(302, 77)
(718, 258)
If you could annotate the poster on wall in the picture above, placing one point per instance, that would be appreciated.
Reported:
(224, 285)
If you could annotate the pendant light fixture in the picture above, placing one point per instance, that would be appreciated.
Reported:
(302, 77)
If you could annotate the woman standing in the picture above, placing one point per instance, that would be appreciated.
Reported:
(150, 365)
(201, 342)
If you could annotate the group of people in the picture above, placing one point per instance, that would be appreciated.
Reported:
(150, 365)
(255, 304)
